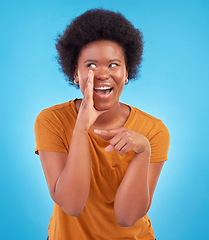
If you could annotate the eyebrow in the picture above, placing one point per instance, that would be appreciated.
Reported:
(115, 60)
(112, 60)
(90, 60)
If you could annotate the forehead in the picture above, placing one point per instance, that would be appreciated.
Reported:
(102, 50)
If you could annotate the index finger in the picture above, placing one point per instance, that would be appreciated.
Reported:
(91, 78)
(90, 84)
(109, 133)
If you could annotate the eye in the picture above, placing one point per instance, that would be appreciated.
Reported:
(91, 65)
(113, 65)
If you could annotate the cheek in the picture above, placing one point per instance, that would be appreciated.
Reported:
(120, 85)
(121, 77)
(122, 74)
(121, 81)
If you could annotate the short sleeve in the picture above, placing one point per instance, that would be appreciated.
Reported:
(159, 142)
(48, 133)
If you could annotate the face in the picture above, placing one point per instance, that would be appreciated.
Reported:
(106, 59)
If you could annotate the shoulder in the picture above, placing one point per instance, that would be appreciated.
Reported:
(156, 132)
(143, 115)
(148, 124)
(56, 110)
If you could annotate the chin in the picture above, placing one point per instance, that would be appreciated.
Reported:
(102, 106)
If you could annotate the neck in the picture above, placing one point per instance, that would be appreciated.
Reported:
(113, 118)
(109, 118)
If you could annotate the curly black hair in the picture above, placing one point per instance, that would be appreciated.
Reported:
(99, 24)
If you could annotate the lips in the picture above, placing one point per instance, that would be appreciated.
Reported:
(103, 91)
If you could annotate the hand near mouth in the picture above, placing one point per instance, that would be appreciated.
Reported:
(88, 114)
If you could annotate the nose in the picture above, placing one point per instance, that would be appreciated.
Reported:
(102, 73)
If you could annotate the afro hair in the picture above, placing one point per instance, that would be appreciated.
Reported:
(94, 25)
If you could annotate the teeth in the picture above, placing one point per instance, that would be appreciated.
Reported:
(102, 88)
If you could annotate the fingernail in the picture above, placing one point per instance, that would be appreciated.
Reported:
(108, 148)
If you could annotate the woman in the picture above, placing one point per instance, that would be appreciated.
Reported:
(101, 158)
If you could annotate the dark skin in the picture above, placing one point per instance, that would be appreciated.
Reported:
(108, 65)
(102, 63)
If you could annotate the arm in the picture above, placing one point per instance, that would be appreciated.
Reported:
(63, 174)
(68, 175)
(134, 195)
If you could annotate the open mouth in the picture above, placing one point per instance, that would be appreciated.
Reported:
(103, 91)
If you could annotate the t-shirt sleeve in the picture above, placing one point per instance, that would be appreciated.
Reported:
(159, 142)
(48, 133)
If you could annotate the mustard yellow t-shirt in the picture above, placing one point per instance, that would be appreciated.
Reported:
(53, 132)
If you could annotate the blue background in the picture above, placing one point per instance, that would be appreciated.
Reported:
(173, 87)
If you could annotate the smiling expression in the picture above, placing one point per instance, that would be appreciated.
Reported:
(106, 59)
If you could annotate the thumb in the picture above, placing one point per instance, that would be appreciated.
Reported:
(100, 112)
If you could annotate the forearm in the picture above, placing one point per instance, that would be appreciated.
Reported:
(132, 197)
(72, 187)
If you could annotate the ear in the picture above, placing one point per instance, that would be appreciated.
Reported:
(76, 74)
(126, 72)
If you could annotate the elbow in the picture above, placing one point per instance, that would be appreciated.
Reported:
(124, 220)
(74, 210)
(129, 221)
(72, 213)
(128, 218)
(125, 223)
